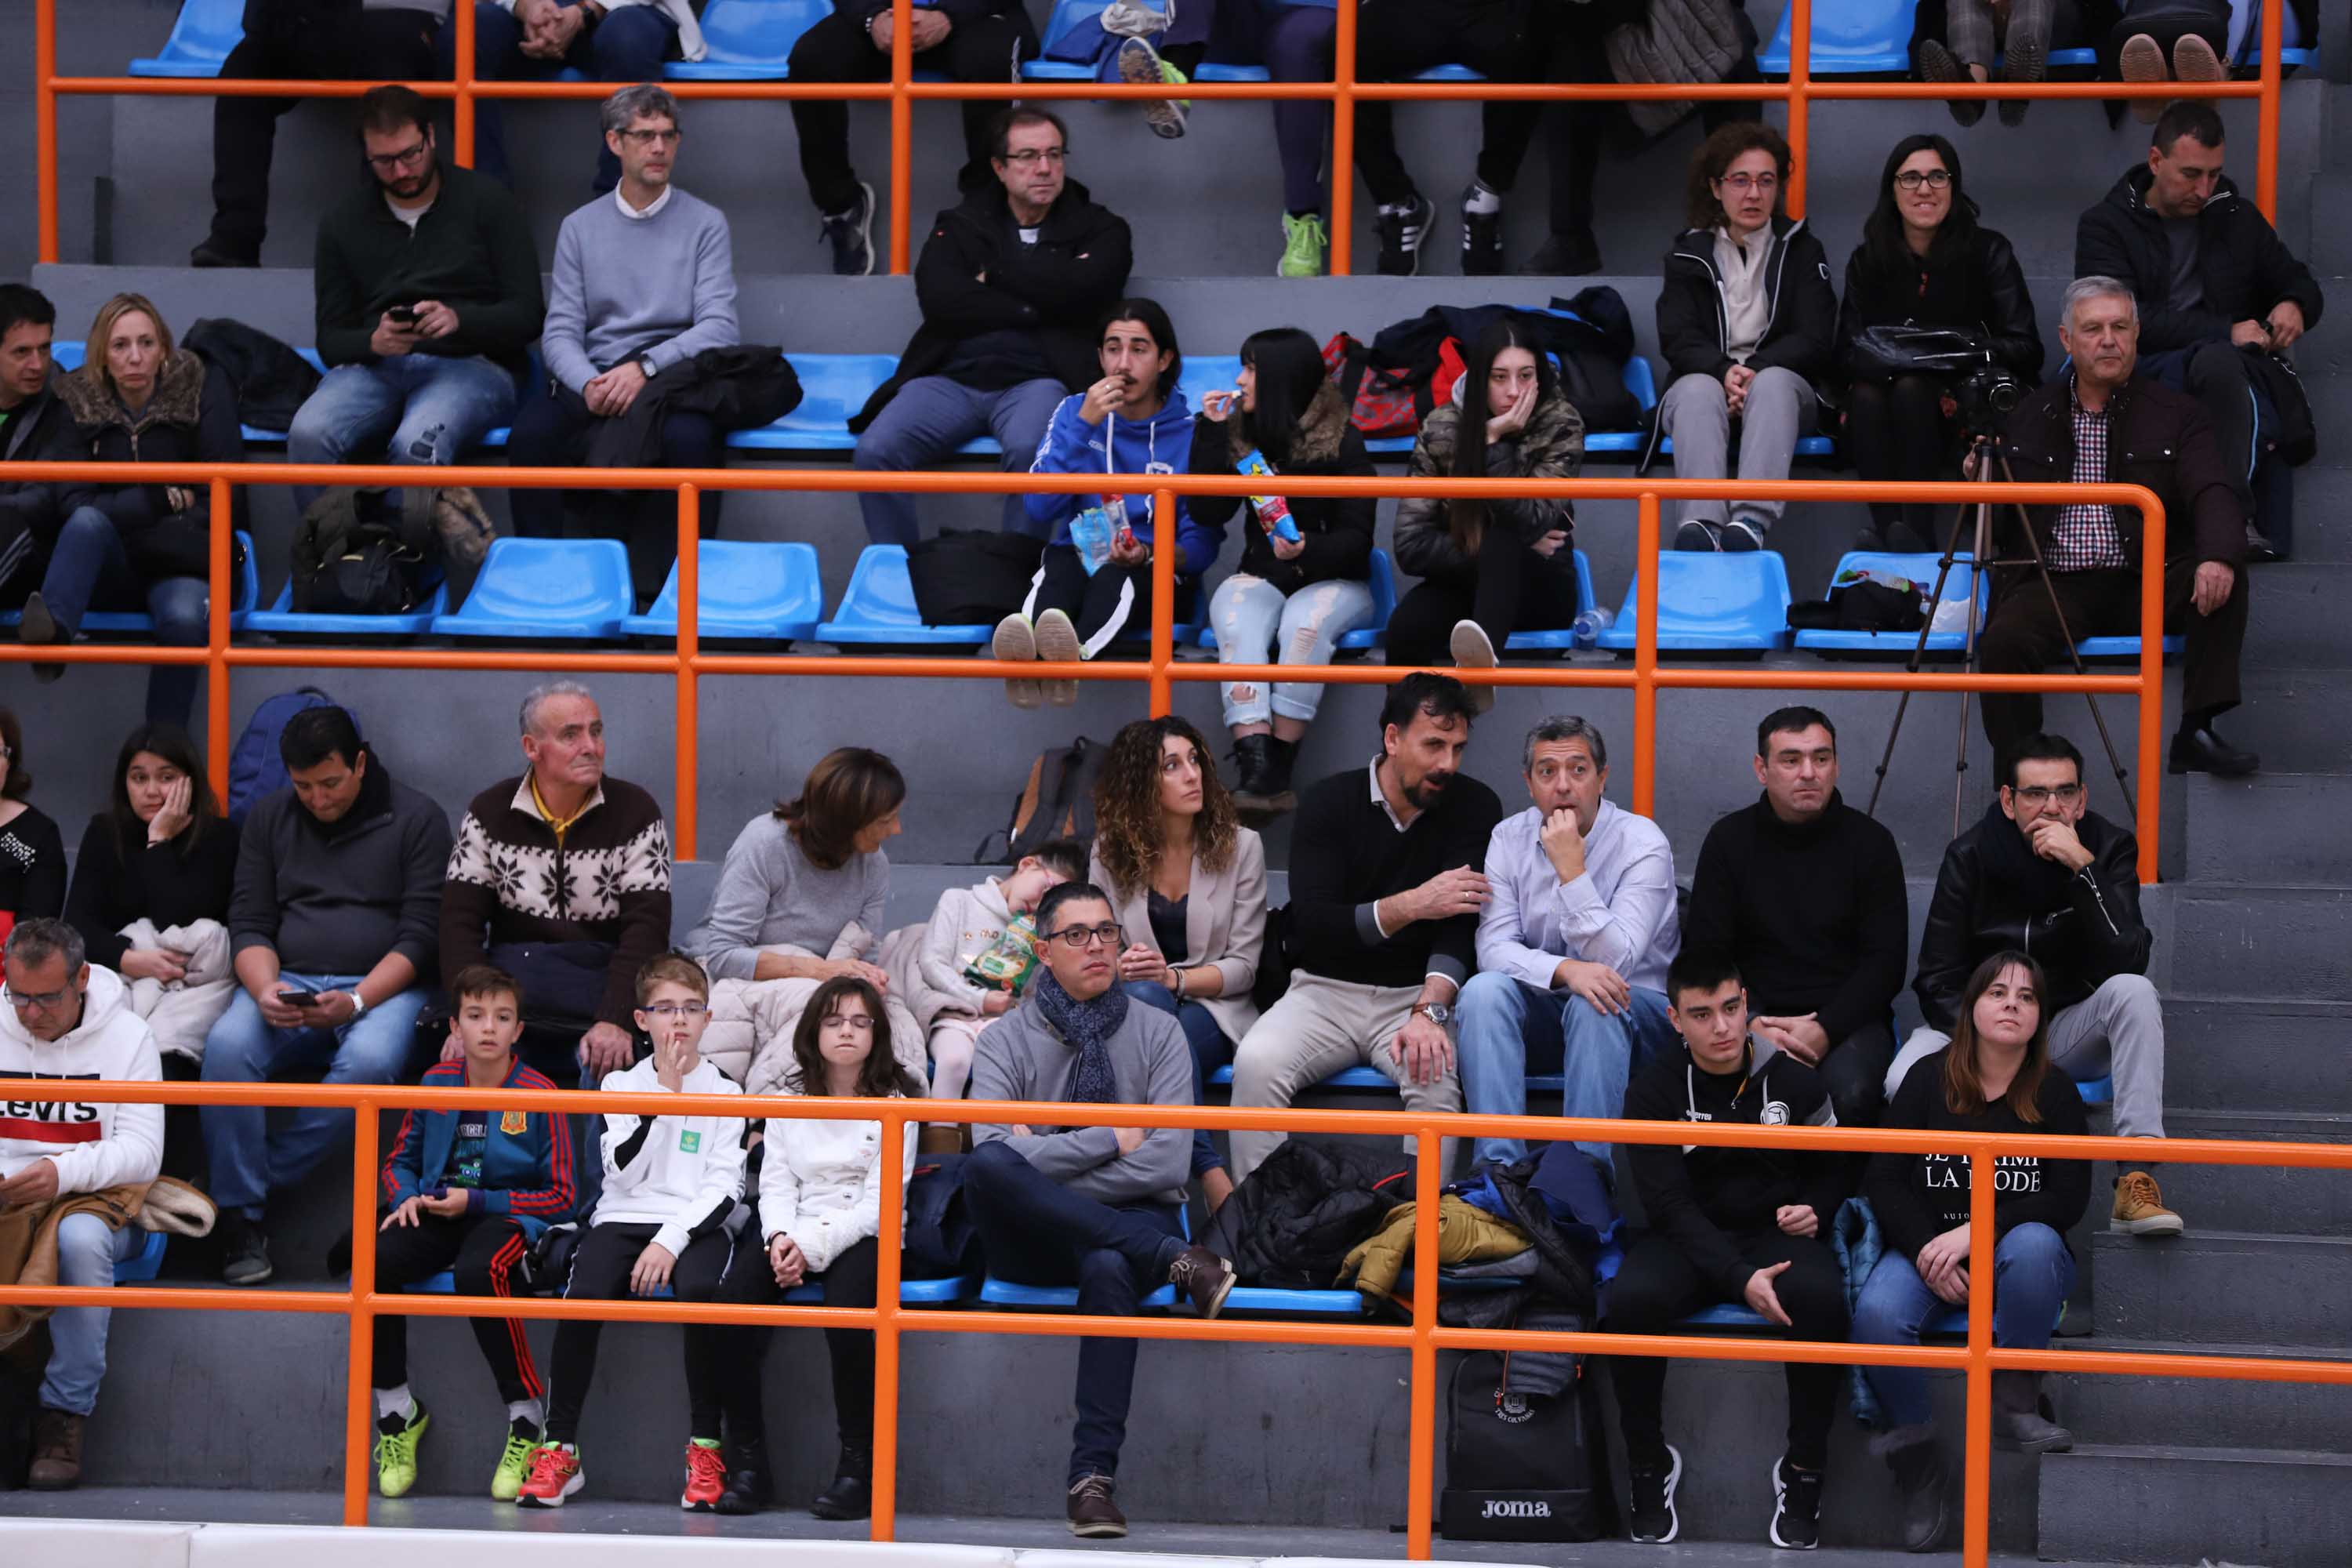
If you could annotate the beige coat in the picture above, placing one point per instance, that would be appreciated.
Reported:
(183, 1012)
(752, 1022)
(1225, 925)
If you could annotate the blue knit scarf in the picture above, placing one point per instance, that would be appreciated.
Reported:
(1088, 1025)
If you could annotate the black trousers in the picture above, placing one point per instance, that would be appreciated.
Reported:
(382, 46)
(838, 49)
(1115, 603)
(482, 1250)
(2022, 635)
(2218, 376)
(1398, 40)
(600, 1266)
(725, 1377)
(1658, 1285)
(1854, 1072)
(554, 432)
(1896, 429)
(1512, 589)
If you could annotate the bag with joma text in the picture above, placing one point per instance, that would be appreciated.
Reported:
(1524, 1456)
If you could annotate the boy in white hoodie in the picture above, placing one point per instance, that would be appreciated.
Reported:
(69, 1018)
(670, 1185)
(985, 934)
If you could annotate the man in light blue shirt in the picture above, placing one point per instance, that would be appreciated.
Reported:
(1574, 943)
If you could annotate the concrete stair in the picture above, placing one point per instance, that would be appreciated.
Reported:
(2212, 1410)
(2227, 1288)
(2273, 829)
(2280, 1507)
(2277, 941)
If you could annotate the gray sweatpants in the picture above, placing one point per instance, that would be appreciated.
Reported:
(1779, 408)
(2118, 1029)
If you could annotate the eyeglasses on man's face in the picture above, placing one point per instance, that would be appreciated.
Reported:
(668, 138)
(40, 1001)
(1030, 157)
(2038, 796)
(1934, 179)
(1077, 939)
(408, 157)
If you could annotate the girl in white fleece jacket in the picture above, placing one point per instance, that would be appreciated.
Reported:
(969, 927)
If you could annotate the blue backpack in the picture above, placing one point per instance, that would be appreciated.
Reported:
(255, 768)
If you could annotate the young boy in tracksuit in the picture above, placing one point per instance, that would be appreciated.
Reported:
(670, 1184)
(469, 1190)
(1744, 1225)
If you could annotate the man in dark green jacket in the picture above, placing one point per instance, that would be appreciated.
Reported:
(428, 300)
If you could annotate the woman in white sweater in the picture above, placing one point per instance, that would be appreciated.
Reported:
(820, 1221)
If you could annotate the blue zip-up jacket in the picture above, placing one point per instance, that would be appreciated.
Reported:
(526, 1171)
(1160, 445)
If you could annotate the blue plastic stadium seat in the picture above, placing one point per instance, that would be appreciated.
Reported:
(1559, 638)
(200, 41)
(1005, 1293)
(245, 593)
(912, 1292)
(749, 589)
(833, 388)
(2097, 1090)
(878, 607)
(1919, 568)
(1711, 602)
(1856, 37)
(1345, 1077)
(280, 620)
(2122, 647)
(749, 40)
(1642, 382)
(1384, 598)
(545, 590)
(445, 1284)
(146, 1265)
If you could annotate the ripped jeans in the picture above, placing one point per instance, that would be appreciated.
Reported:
(409, 408)
(1251, 615)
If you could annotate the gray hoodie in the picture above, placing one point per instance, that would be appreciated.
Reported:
(1022, 1056)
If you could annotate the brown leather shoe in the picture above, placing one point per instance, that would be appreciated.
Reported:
(56, 1451)
(1203, 1277)
(1092, 1513)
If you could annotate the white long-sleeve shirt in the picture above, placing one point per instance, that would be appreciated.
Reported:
(94, 1144)
(683, 1173)
(821, 1184)
(1621, 912)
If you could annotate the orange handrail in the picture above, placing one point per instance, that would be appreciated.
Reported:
(1160, 670)
(1797, 93)
(361, 1302)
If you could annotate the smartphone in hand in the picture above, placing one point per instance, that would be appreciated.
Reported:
(403, 315)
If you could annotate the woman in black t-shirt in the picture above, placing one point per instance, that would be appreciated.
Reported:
(32, 854)
(1995, 1077)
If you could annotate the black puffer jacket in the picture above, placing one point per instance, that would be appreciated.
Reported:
(2245, 267)
(1800, 335)
(1994, 894)
(1295, 1220)
(191, 418)
(1978, 288)
(1338, 535)
(2157, 437)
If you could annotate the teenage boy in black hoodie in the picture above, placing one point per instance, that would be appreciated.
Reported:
(1806, 895)
(1728, 1225)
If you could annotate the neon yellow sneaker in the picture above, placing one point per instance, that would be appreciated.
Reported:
(1304, 246)
(395, 1452)
(514, 1463)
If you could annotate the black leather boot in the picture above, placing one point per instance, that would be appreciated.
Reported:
(747, 1478)
(851, 1495)
(1252, 755)
(1280, 757)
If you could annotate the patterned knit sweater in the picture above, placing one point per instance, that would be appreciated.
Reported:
(608, 881)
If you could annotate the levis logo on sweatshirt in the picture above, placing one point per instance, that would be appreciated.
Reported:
(49, 1121)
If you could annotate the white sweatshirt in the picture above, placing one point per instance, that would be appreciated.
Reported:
(967, 922)
(821, 1184)
(680, 1173)
(94, 1145)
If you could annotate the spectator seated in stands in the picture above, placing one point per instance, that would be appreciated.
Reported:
(466, 1193)
(1099, 1206)
(980, 955)
(670, 1185)
(1924, 261)
(331, 926)
(1805, 894)
(1744, 1225)
(151, 889)
(1980, 35)
(1094, 583)
(1012, 283)
(644, 280)
(616, 41)
(1574, 946)
(1187, 882)
(1304, 579)
(298, 40)
(2105, 423)
(964, 40)
(1489, 568)
(2220, 297)
(428, 297)
(1747, 320)
(32, 423)
(818, 1221)
(72, 1174)
(2043, 871)
(32, 850)
(136, 398)
(1995, 1077)
(1385, 892)
(561, 877)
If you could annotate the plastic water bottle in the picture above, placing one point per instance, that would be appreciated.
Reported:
(1591, 623)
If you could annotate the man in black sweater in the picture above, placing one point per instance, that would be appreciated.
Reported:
(1806, 895)
(31, 418)
(1385, 890)
(1744, 1225)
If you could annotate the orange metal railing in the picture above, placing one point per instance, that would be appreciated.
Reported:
(1797, 93)
(1160, 670)
(361, 1303)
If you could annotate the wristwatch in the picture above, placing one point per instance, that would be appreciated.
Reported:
(1437, 1012)
(359, 1003)
(646, 363)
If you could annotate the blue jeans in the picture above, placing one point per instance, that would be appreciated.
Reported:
(89, 569)
(249, 1159)
(927, 420)
(1510, 1029)
(628, 46)
(2032, 1274)
(88, 1250)
(410, 408)
(1252, 617)
(1211, 1051)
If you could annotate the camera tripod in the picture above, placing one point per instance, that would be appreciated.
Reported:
(1988, 454)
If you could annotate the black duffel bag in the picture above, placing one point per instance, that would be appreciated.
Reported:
(1524, 1456)
(972, 576)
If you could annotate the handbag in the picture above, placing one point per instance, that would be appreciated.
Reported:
(1910, 349)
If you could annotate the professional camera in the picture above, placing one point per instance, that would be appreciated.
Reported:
(1985, 397)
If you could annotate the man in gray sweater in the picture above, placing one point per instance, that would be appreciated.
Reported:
(644, 280)
(1097, 1206)
(332, 924)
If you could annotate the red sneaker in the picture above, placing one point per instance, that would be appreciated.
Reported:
(554, 1475)
(706, 1479)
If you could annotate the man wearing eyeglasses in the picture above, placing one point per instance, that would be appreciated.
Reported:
(66, 1018)
(427, 300)
(2045, 874)
(1097, 1206)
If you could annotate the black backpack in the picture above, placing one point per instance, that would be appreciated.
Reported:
(356, 554)
(972, 577)
(1056, 801)
(1524, 1465)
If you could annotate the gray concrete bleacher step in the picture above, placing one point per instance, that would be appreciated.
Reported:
(2215, 1411)
(2270, 1199)
(2299, 719)
(2280, 1507)
(2299, 608)
(2323, 496)
(2226, 1287)
(2263, 941)
(2254, 1051)
(2276, 828)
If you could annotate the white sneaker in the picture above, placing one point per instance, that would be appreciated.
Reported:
(1017, 641)
(1057, 642)
(1473, 651)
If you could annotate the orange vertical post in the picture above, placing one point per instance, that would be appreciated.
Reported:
(1163, 598)
(897, 1127)
(463, 41)
(44, 121)
(1343, 140)
(1801, 79)
(689, 638)
(1975, 1486)
(2152, 686)
(217, 600)
(1421, 1461)
(359, 1393)
(2266, 113)
(902, 134)
(1645, 658)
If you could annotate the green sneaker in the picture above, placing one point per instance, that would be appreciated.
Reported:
(1303, 246)
(514, 1463)
(395, 1452)
(1139, 64)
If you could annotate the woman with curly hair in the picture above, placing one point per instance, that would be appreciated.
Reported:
(1187, 884)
